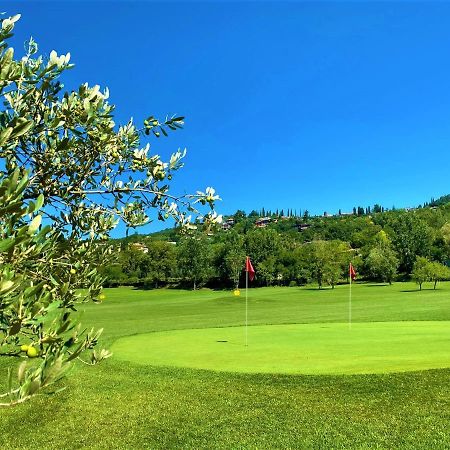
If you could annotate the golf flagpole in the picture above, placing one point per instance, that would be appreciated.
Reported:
(246, 308)
(350, 305)
(249, 273)
(352, 275)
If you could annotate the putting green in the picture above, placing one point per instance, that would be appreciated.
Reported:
(324, 348)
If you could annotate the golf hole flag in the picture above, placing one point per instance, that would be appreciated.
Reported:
(249, 269)
(352, 272)
(249, 275)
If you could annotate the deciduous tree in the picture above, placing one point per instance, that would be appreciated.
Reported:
(194, 259)
(382, 261)
(233, 256)
(438, 272)
(421, 271)
(411, 237)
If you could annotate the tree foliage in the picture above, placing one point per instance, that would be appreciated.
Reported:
(65, 163)
(421, 271)
(425, 270)
(411, 237)
(382, 261)
(285, 246)
(233, 256)
(194, 259)
(329, 260)
(39, 288)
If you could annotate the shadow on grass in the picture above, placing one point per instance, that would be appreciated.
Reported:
(327, 288)
(371, 285)
(418, 290)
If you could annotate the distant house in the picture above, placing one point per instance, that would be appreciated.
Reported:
(139, 246)
(262, 222)
(303, 226)
(228, 223)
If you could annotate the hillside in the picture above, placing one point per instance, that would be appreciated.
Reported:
(289, 250)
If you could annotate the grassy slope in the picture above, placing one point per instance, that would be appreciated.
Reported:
(121, 405)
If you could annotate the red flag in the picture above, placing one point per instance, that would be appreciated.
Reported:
(249, 268)
(352, 272)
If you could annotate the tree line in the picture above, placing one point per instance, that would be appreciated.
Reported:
(383, 246)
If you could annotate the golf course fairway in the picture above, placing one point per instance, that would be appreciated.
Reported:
(324, 348)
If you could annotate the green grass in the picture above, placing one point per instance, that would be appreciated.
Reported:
(120, 404)
(376, 347)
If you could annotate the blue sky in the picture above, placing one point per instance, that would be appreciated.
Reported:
(318, 106)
